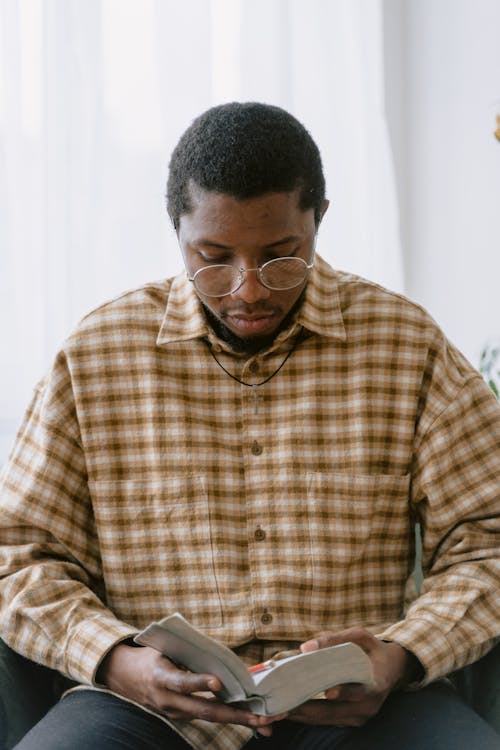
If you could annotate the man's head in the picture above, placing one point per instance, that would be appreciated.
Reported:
(246, 187)
(245, 150)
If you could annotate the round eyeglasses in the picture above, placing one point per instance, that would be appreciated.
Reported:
(279, 275)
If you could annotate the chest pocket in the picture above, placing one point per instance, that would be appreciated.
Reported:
(359, 528)
(157, 553)
(350, 513)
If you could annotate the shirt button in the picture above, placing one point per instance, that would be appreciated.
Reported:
(256, 448)
(254, 366)
(259, 535)
(266, 618)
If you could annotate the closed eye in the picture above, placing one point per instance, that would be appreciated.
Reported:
(215, 260)
(286, 254)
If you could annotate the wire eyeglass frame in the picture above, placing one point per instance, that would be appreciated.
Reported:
(240, 275)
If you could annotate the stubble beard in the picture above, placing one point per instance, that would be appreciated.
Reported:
(252, 344)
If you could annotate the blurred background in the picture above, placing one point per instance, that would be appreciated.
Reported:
(400, 95)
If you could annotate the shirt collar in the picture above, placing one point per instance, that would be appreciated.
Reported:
(319, 313)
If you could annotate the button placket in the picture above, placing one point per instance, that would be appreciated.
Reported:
(255, 430)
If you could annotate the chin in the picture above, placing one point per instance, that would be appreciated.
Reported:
(240, 344)
(245, 344)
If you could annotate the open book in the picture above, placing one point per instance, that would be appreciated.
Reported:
(267, 690)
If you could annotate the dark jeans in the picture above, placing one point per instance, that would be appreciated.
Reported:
(434, 718)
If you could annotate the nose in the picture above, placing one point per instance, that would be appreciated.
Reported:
(251, 290)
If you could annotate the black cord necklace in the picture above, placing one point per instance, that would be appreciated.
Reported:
(262, 382)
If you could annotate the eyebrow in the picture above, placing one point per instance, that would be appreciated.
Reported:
(278, 243)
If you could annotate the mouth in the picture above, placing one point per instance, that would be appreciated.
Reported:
(245, 325)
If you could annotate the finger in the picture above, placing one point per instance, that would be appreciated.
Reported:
(321, 640)
(178, 706)
(175, 697)
(349, 692)
(167, 675)
(265, 731)
(357, 635)
(311, 645)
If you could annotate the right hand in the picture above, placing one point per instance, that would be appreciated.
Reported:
(146, 677)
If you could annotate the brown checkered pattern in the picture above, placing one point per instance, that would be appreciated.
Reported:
(145, 480)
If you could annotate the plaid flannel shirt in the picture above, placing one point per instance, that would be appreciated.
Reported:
(145, 480)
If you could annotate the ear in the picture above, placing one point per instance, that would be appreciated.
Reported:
(326, 203)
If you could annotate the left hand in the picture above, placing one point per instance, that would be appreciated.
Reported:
(353, 704)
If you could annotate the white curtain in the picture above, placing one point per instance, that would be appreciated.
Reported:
(93, 97)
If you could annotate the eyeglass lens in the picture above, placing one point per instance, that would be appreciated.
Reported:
(279, 274)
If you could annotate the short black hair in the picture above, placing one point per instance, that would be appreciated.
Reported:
(245, 149)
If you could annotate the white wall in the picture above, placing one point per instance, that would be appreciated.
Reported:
(93, 97)
(443, 93)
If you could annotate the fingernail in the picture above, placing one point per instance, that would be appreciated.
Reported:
(310, 646)
(264, 731)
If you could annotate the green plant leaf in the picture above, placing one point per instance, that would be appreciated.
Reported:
(494, 387)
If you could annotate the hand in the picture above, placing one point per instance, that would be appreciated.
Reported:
(146, 677)
(352, 705)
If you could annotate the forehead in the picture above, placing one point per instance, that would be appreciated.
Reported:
(221, 214)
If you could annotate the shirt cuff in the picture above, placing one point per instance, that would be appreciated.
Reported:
(431, 648)
(90, 642)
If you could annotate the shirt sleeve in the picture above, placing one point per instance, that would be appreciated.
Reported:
(51, 598)
(456, 497)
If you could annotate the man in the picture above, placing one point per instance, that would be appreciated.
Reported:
(251, 444)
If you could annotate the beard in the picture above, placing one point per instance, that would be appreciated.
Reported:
(251, 344)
